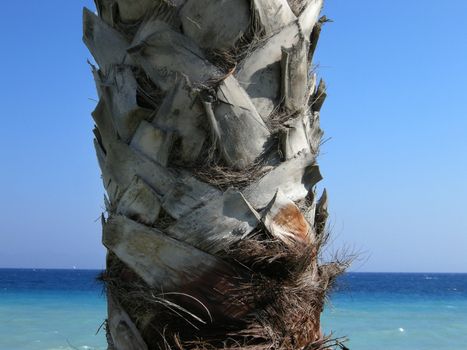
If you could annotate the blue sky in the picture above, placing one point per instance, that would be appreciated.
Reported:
(395, 165)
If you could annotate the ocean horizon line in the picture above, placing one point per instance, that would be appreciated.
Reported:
(348, 272)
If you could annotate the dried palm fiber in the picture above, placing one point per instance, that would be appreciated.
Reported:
(207, 133)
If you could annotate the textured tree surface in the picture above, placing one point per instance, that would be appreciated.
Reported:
(207, 133)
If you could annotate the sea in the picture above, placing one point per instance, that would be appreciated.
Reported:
(65, 309)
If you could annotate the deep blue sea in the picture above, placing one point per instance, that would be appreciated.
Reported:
(63, 309)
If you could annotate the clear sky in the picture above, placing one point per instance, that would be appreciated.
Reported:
(395, 165)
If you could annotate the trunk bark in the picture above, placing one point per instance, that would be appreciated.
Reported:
(207, 133)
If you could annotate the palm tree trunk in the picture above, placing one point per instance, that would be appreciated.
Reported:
(207, 133)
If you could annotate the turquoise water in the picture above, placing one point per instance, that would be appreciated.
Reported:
(63, 309)
(51, 310)
(400, 311)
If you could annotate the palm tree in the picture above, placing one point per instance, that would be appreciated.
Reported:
(207, 133)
